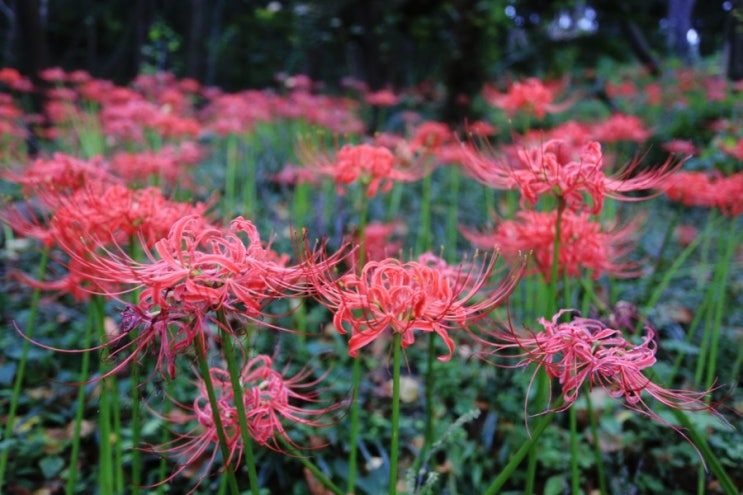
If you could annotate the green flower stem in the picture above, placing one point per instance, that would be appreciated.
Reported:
(20, 373)
(204, 368)
(107, 387)
(452, 226)
(250, 187)
(514, 462)
(230, 177)
(661, 252)
(574, 469)
(596, 443)
(393, 202)
(423, 242)
(237, 389)
(395, 441)
(136, 429)
(723, 270)
(165, 435)
(356, 372)
(543, 382)
(80, 410)
(713, 463)
(316, 472)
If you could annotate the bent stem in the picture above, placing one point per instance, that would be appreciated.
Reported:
(16, 394)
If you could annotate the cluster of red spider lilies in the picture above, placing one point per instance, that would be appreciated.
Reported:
(107, 198)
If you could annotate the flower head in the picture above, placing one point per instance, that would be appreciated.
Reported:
(584, 243)
(531, 96)
(403, 298)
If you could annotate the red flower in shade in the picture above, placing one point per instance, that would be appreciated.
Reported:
(270, 400)
(572, 173)
(585, 351)
(405, 297)
(530, 96)
(584, 244)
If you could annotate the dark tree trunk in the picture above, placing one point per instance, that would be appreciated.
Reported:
(195, 54)
(734, 42)
(679, 17)
(32, 55)
(464, 71)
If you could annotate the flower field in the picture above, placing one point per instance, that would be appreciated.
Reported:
(298, 291)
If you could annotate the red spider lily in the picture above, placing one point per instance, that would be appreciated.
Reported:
(375, 167)
(708, 189)
(405, 297)
(530, 96)
(584, 244)
(170, 164)
(734, 151)
(572, 173)
(620, 127)
(381, 98)
(269, 399)
(587, 352)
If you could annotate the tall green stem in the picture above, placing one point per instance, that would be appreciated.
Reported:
(80, 409)
(237, 389)
(395, 441)
(20, 373)
(206, 375)
(356, 372)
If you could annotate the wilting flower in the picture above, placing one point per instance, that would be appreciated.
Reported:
(571, 173)
(270, 401)
(584, 244)
(390, 295)
(587, 352)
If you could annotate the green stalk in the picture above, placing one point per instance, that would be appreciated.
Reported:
(356, 372)
(20, 373)
(596, 444)
(316, 472)
(574, 469)
(79, 409)
(395, 441)
(514, 462)
(237, 389)
(719, 309)
(423, 242)
(136, 429)
(230, 178)
(709, 457)
(204, 368)
(543, 382)
(250, 188)
(106, 474)
(165, 436)
(452, 225)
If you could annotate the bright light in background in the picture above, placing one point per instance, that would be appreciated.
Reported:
(510, 11)
(726, 6)
(692, 37)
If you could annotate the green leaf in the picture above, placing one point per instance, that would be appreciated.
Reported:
(51, 466)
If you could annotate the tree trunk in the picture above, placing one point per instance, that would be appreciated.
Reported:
(733, 50)
(679, 17)
(195, 53)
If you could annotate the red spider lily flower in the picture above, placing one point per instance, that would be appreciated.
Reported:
(586, 351)
(381, 98)
(14, 80)
(399, 297)
(680, 147)
(378, 243)
(169, 165)
(531, 96)
(572, 173)
(708, 189)
(584, 244)
(372, 166)
(270, 401)
(621, 127)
